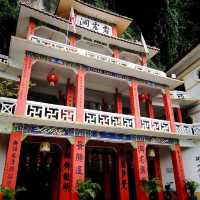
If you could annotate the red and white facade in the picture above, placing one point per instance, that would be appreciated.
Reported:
(107, 111)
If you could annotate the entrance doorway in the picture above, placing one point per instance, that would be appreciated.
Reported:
(101, 168)
(38, 173)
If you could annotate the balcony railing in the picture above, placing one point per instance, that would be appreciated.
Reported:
(93, 55)
(44, 111)
(40, 110)
(182, 128)
(109, 119)
(3, 59)
(155, 124)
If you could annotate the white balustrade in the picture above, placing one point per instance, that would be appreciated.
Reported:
(50, 111)
(94, 55)
(3, 59)
(155, 124)
(196, 128)
(7, 105)
(109, 119)
(64, 113)
(184, 129)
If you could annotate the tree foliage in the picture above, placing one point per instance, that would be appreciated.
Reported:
(8, 16)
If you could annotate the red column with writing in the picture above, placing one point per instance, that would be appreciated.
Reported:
(65, 174)
(24, 86)
(123, 176)
(80, 95)
(179, 174)
(140, 168)
(70, 95)
(12, 160)
(135, 105)
(169, 110)
(78, 164)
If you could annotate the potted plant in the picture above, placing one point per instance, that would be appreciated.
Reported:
(1, 193)
(191, 188)
(87, 190)
(8, 194)
(152, 187)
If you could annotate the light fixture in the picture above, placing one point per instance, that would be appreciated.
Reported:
(45, 147)
(151, 153)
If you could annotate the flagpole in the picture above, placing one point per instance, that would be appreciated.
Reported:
(67, 36)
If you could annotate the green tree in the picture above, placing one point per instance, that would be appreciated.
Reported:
(8, 17)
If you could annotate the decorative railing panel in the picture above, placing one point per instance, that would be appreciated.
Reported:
(3, 59)
(50, 111)
(196, 129)
(109, 119)
(93, 55)
(185, 129)
(7, 105)
(155, 124)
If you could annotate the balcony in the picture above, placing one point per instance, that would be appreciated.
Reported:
(103, 120)
(90, 54)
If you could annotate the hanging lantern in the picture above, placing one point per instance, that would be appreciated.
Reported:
(45, 147)
(151, 153)
(143, 97)
(52, 78)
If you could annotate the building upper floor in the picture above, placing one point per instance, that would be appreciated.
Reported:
(46, 34)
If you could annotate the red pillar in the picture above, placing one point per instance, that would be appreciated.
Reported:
(179, 172)
(116, 53)
(143, 60)
(78, 164)
(179, 115)
(149, 108)
(70, 95)
(135, 105)
(140, 168)
(80, 95)
(157, 168)
(72, 40)
(12, 160)
(31, 27)
(118, 102)
(168, 109)
(65, 174)
(24, 86)
(123, 176)
(114, 31)
(158, 174)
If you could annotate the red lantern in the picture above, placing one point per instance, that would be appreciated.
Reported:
(144, 97)
(52, 78)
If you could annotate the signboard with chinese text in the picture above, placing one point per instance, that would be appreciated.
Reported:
(93, 25)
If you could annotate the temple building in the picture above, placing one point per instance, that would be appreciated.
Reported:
(90, 107)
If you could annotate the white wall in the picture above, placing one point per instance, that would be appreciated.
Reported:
(3, 150)
(166, 166)
(191, 160)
